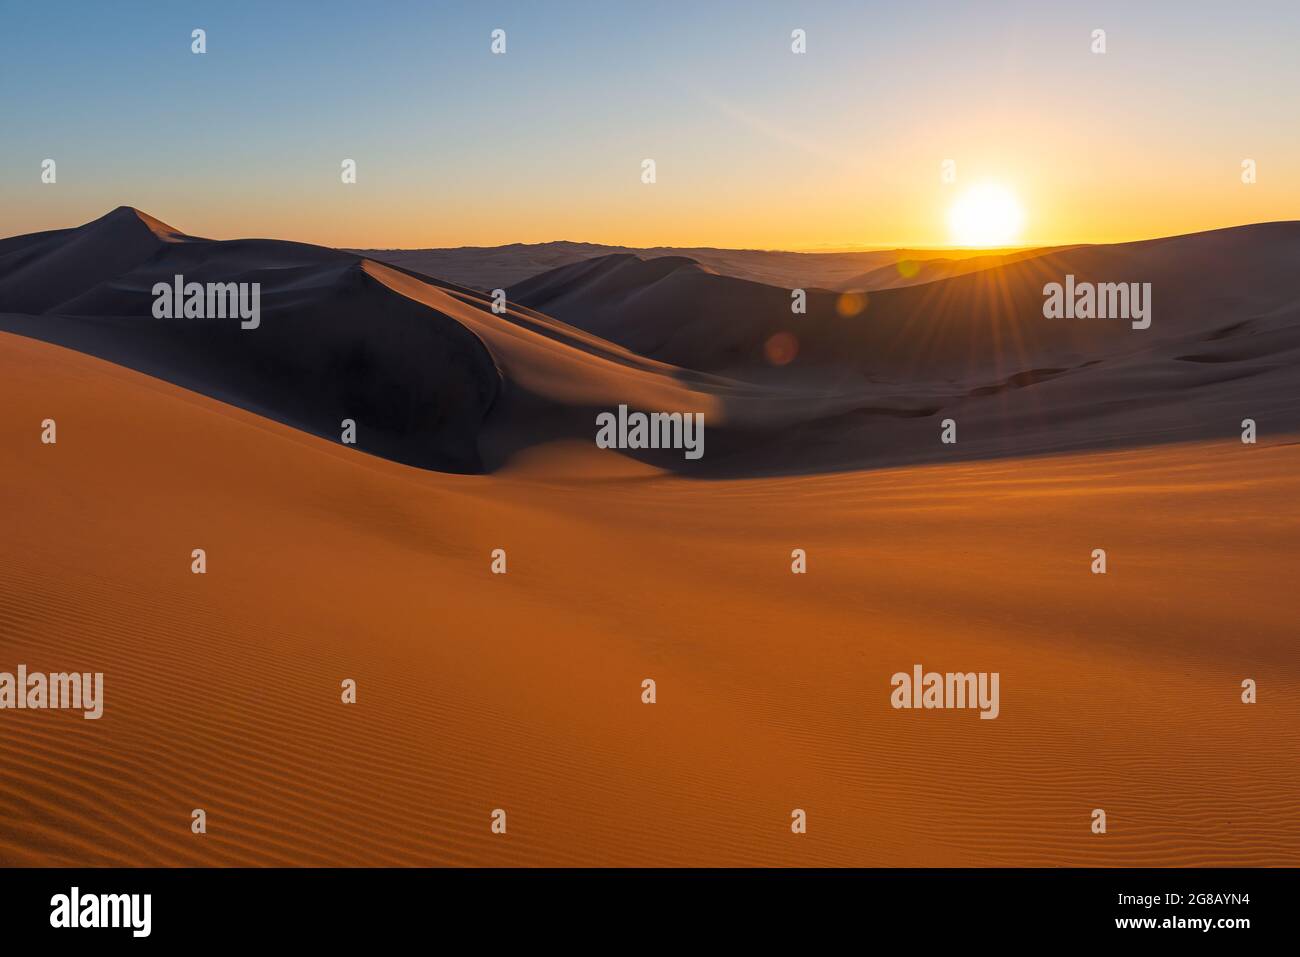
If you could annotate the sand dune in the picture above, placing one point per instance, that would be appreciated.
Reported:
(417, 363)
(522, 691)
(872, 384)
(435, 377)
(503, 267)
(915, 271)
(40, 271)
(987, 323)
(332, 343)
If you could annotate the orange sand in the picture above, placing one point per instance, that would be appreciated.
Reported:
(522, 691)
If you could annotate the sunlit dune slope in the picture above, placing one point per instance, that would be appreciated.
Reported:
(523, 691)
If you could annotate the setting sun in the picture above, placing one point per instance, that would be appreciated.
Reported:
(985, 215)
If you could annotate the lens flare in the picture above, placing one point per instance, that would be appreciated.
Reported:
(781, 349)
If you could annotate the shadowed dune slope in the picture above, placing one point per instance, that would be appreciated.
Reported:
(873, 377)
(428, 372)
(434, 377)
(988, 324)
(332, 343)
(40, 271)
(523, 691)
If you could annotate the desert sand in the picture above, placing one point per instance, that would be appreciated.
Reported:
(522, 691)
(479, 691)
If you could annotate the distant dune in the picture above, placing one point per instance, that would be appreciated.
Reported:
(434, 377)
(914, 270)
(1224, 345)
(984, 324)
(503, 267)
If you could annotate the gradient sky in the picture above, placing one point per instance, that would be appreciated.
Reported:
(755, 146)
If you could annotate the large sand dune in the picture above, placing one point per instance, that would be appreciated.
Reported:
(332, 343)
(522, 692)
